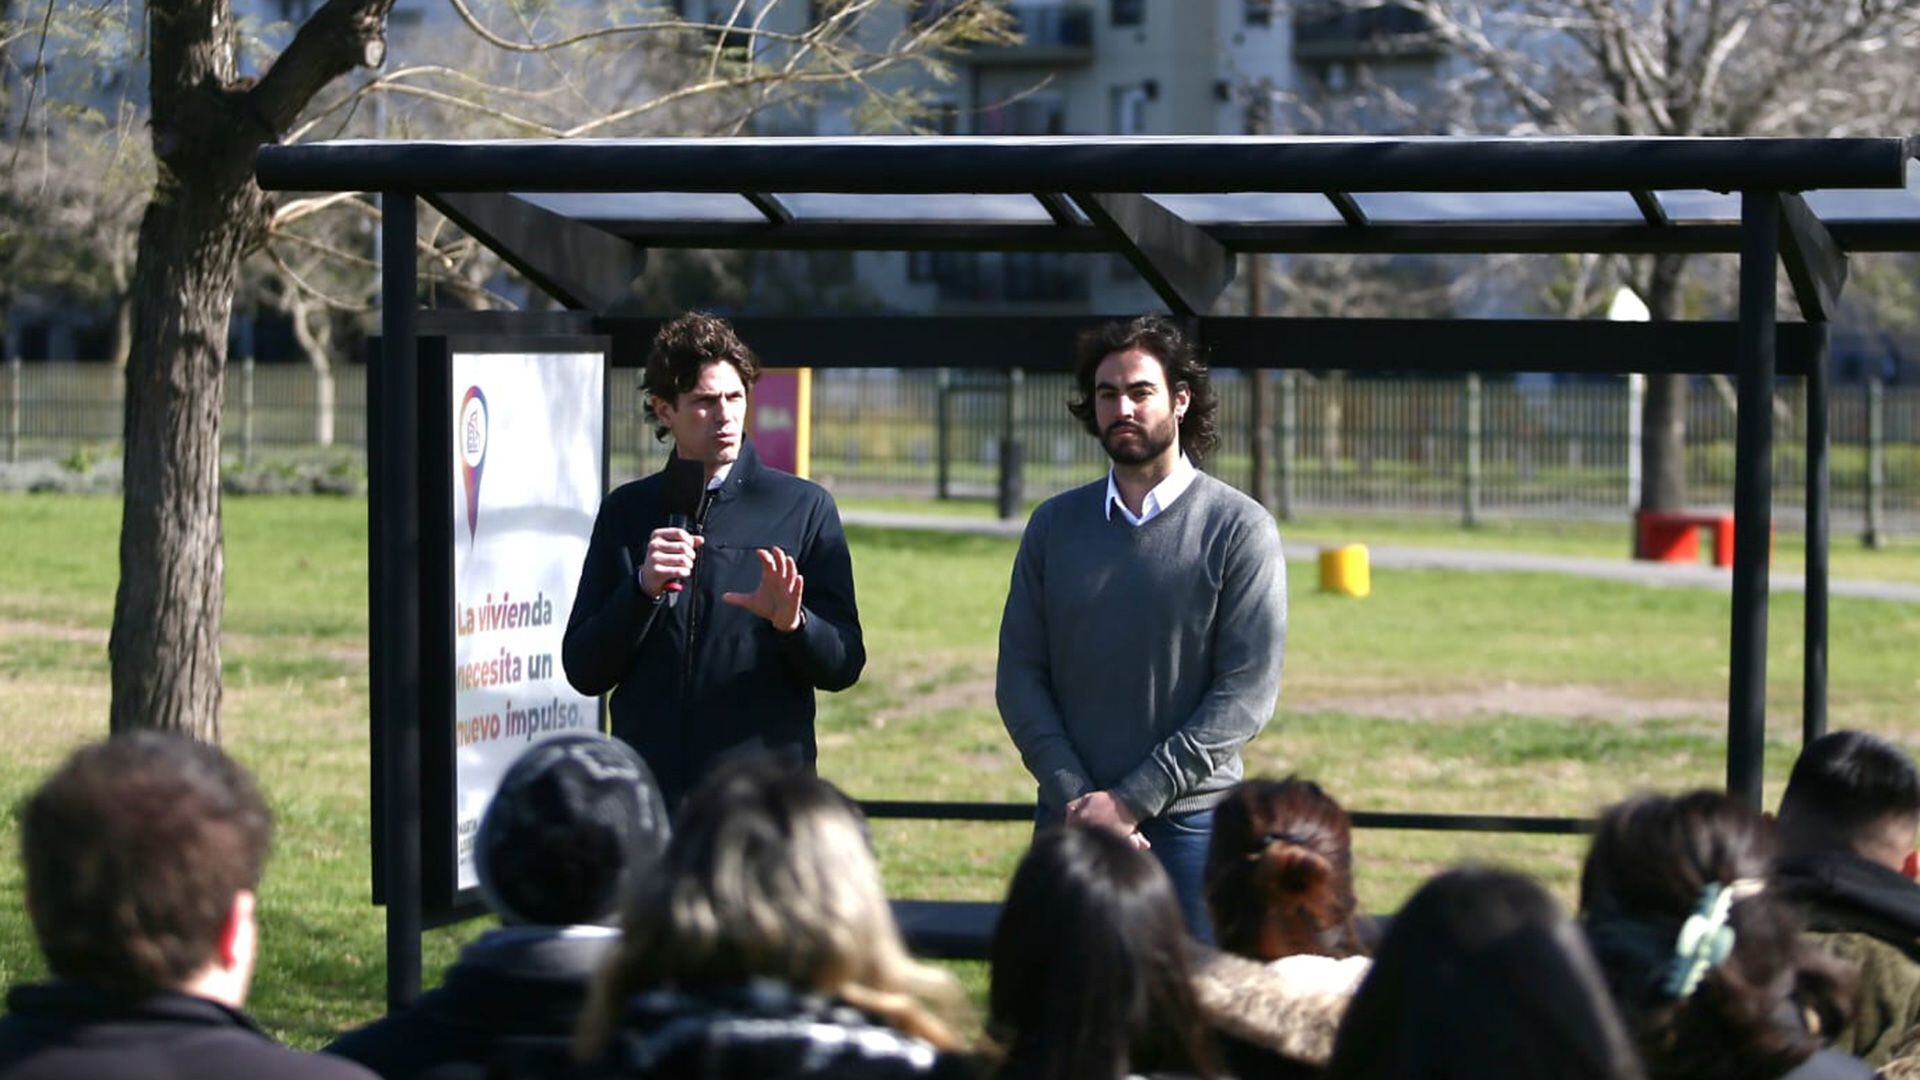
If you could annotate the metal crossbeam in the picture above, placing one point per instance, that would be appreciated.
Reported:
(1186, 267)
(1815, 264)
(577, 264)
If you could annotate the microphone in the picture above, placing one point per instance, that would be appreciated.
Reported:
(684, 490)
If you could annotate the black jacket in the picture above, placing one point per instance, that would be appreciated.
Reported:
(59, 1030)
(700, 681)
(514, 995)
(1868, 915)
(764, 1031)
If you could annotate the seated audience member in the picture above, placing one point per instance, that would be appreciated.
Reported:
(1706, 962)
(1092, 978)
(764, 947)
(576, 822)
(143, 856)
(1481, 975)
(1279, 887)
(1847, 827)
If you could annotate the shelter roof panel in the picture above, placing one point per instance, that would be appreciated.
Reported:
(1614, 207)
(1701, 206)
(1330, 194)
(648, 206)
(1871, 205)
(917, 208)
(1251, 207)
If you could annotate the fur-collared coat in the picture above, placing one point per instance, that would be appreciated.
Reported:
(1290, 1008)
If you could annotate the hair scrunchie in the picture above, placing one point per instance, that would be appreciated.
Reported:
(1705, 938)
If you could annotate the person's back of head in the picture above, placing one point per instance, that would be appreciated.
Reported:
(769, 876)
(1480, 974)
(1852, 791)
(143, 854)
(576, 822)
(1704, 961)
(1279, 876)
(1091, 973)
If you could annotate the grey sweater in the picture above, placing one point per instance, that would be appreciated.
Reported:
(1141, 659)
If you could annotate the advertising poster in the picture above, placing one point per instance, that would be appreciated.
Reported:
(527, 434)
(778, 411)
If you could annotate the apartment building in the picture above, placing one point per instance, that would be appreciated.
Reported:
(1136, 67)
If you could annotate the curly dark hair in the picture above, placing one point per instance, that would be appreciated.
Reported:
(682, 350)
(1161, 338)
(134, 850)
(1651, 858)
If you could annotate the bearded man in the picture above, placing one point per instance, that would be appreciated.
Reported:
(1141, 645)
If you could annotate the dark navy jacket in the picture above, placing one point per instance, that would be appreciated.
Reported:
(59, 1030)
(514, 997)
(700, 681)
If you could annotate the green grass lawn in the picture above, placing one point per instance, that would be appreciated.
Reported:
(1488, 692)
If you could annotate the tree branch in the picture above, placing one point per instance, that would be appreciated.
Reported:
(342, 35)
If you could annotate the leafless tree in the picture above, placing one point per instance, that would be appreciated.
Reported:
(206, 216)
(1670, 67)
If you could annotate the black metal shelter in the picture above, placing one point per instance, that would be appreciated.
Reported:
(578, 217)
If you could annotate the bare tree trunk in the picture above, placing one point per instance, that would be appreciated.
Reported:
(165, 646)
(323, 403)
(1663, 430)
(122, 347)
(317, 344)
(206, 213)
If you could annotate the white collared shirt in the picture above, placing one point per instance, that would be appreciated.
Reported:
(719, 476)
(1162, 496)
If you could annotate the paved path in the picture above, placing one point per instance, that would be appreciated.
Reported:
(1418, 558)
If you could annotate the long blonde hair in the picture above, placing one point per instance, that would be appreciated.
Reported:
(769, 875)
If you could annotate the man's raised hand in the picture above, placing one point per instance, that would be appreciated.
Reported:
(777, 600)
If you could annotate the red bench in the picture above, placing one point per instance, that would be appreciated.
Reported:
(1674, 535)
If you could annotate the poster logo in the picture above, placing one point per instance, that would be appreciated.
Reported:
(470, 437)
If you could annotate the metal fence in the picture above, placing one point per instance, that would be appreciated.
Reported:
(1455, 446)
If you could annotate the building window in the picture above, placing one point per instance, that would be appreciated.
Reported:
(921, 265)
(1128, 12)
(1129, 109)
(1258, 12)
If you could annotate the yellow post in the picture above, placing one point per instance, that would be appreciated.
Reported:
(1344, 570)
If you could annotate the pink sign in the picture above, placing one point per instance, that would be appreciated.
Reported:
(778, 415)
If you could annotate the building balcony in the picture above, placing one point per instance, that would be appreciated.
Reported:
(1389, 31)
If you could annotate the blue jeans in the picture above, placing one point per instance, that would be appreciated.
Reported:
(1180, 844)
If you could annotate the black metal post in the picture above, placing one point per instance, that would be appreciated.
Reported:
(1260, 412)
(1813, 710)
(1011, 493)
(943, 434)
(397, 595)
(1752, 494)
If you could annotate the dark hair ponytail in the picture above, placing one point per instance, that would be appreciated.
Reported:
(1279, 876)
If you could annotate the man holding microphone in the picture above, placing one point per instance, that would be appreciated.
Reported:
(717, 594)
